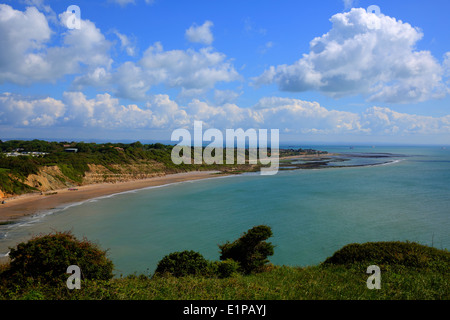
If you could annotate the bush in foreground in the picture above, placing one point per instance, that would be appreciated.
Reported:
(250, 250)
(343, 279)
(406, 254)
(227, 268)
(181, 264)
(45, 259)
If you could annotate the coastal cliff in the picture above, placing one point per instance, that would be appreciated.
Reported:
(41, 166)
(52, 178)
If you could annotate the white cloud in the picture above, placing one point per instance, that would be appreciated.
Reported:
(446, 64)
(23, 36)
(126, 44)
(305, 117)
(364, 54)
(225, 96)
(200, 34)
(386, 121)
(295, 116)
(26, 57)
(21, 111)
(190, 70)
(104, 111)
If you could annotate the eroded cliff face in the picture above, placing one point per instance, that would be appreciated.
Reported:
(52, 178)
(49, 178)
(121, 173)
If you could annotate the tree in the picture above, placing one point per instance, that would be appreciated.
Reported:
(250, 250)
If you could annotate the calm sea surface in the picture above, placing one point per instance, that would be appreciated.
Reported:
(312, 213)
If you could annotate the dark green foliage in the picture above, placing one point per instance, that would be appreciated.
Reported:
(21, 166)
(11, 185)
(250, 250)
(45, 259)
(344, 281)
(157, 157)
(227, 268)
(407, 254)
(181, 264)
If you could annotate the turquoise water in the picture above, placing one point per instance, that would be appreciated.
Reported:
(312, 213)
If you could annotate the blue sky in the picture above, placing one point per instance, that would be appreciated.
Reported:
(319, 71)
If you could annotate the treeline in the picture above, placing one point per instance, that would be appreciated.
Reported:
(15, 169)
(300, 151)
(16, 166)
(21, 162)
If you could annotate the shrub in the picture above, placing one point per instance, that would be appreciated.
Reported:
(181, 264)
(250, 250)
(407, 254)
(46, 258)
(227, 268)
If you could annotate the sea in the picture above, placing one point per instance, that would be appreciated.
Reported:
(365, 194)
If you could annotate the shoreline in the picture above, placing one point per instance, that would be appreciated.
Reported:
(18, 207)
(28, 204)
(308, 156)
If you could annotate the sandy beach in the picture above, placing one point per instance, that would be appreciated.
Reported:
(23, 205)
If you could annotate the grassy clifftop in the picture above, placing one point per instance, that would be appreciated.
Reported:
(408, 271)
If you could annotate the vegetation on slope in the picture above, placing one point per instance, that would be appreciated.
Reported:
(115, 158)
(150, 158)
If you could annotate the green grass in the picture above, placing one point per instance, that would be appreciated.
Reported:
(401, 279)
(281, 283)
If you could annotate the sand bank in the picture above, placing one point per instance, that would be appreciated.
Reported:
(20, 206)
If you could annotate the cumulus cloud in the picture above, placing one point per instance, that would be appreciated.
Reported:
(386, 121)
(297, 116)
(367, 54)
(293, 116)
(446, 64)
(23, 36)
(104, 111)
(29, 55)
(21, 111)
(225, 96)
(189, 70)
(26, 56)
(200, 34)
